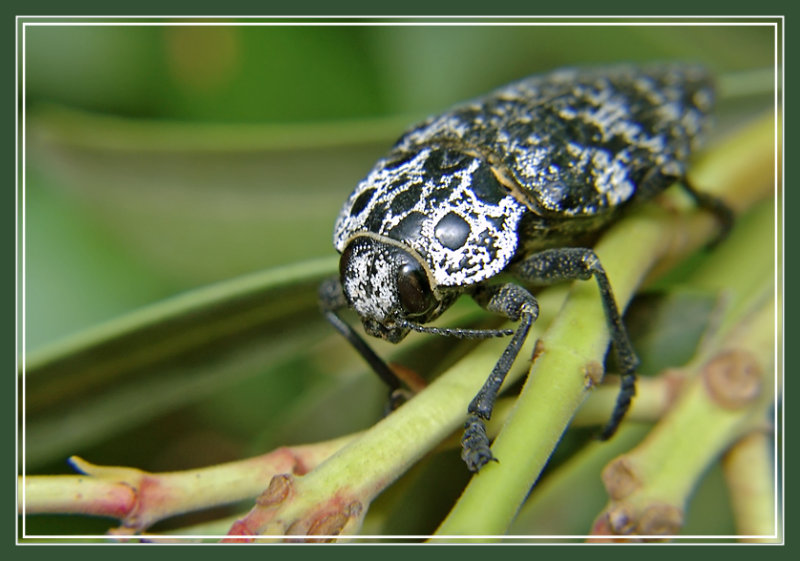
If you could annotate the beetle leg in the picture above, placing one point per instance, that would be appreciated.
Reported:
(716, 206)
(331, 299)
(572, 263)
(515, 303)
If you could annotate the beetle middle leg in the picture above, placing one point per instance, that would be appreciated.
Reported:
(515, 303)
(572, 263)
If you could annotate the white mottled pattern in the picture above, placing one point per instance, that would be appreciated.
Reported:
(492, 240)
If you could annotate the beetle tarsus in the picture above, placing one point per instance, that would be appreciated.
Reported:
(626, 393)
(475, 444)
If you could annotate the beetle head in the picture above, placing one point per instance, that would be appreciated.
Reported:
(387, 285)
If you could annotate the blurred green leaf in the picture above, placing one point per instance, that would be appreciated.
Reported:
(102, 68)
(75, 275)
(206, 202)
(123, 212)
(100, 382)
(666, 328)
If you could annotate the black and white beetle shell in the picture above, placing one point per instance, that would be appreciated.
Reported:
(534, 164)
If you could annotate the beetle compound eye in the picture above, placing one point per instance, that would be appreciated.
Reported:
(344, 261)
(413, 290)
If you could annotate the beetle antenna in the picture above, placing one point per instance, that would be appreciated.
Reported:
(456, 332)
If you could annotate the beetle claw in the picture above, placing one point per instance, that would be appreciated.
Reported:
(476, 452)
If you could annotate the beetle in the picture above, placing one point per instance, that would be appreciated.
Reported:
(520, 182)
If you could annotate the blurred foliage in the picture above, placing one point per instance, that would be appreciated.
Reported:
(163, 158)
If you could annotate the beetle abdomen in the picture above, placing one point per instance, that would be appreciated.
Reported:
(582, 142)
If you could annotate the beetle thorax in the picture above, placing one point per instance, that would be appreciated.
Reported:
(445, 205)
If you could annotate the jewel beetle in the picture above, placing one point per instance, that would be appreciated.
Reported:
(519, 182)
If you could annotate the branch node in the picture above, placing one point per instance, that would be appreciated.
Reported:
(660, 519)
(280, 486)
(733, 379)
(621, 519)
(620, 478)
(593, 374)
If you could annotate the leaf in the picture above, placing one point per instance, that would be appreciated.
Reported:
(120, 373)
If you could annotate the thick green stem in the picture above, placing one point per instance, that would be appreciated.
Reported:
(750, 473)
(728, 397)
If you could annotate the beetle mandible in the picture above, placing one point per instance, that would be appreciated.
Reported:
(519, 181)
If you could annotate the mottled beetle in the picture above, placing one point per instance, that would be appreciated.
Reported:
(519, 181)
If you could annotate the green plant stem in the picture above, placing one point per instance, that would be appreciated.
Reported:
(140, 499)
(361, 470)
(130, 494)
(741, 170)
(654, 396)
(651, 484)
(550, 510)
(749, 473)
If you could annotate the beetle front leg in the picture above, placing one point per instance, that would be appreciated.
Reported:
(572, 263)
(515, 303)
(331, 299)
